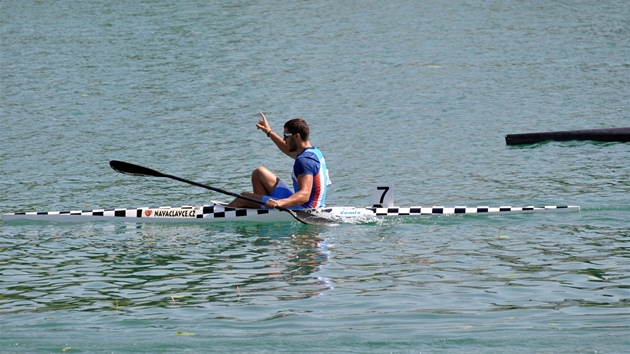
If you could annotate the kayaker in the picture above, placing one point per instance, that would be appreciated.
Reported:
(310, 173)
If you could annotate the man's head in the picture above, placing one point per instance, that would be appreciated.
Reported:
(297, 126)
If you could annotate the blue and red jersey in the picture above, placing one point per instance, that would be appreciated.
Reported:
(311, 161)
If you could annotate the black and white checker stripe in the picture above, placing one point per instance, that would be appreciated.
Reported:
(220, 212)
(440, 210)
(202, 212)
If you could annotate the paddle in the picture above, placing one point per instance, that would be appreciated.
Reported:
(136, 170)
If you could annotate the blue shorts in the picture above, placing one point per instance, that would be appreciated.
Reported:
(280, 192)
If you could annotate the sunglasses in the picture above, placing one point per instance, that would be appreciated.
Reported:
(285, 135)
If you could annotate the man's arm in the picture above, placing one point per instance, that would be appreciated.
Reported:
(305, 185)
(276, 138)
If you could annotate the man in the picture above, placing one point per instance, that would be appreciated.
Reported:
(310, 174)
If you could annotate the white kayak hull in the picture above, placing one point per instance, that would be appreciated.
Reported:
(220, 213)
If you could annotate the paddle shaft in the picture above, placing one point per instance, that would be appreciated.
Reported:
(129, 168)
(219, 190)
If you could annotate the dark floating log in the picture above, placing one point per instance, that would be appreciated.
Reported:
(610, 134)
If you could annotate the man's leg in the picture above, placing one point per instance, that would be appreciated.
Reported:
(264, 182)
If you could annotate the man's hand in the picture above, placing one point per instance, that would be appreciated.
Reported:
(271, 204)
(263, 124)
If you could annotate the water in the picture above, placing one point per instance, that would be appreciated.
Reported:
(416, 94)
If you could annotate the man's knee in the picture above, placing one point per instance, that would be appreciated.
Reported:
(260, 170)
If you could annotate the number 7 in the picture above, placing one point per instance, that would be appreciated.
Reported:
(385, 190)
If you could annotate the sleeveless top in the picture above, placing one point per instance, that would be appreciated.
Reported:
(311, 161)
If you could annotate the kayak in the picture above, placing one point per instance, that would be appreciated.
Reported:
(382, 207)
(219, 212)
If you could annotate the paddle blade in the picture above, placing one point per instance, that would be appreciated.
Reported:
(134, 170)
(310, 219)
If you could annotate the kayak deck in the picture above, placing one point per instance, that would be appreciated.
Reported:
(221, 213)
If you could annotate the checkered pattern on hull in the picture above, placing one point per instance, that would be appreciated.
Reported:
(183, 212)
(220, 212)
(435, 210)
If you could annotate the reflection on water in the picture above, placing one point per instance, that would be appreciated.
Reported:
(101, 267)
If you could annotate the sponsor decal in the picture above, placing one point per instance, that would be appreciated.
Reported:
(170, 213)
